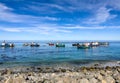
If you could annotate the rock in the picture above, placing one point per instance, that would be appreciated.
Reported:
(102, 72)
(108, 68)
(9, 80)
(1, 78)
(109, 79)
(84, 80)
(6, 72)
(118, 69)
(109, 72)
(93, 80)
(63, 70)
(98, 76)
(103, 81)
(117, 78)
(66, 80)
(115, 74)
(96, 64)
(27, 78)
(19, 79)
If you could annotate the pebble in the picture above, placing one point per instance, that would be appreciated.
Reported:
(84, 75)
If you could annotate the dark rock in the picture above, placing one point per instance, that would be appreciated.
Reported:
(108, 68)
(1, 63)
(63, 70)
(27, 78)
(96, 64)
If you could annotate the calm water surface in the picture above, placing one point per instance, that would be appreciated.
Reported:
(47, 55)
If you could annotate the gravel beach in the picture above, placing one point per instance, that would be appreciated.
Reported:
(88, 74)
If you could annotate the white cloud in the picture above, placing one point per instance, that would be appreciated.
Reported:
(6, 14)
(46, 8)
(41, 29)
(51, 28)
(12, 29)
(101, 16)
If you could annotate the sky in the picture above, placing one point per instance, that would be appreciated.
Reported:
(59, 19)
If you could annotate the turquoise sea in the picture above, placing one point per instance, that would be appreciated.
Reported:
(49, 55)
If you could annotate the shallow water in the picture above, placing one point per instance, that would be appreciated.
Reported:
(49, 55)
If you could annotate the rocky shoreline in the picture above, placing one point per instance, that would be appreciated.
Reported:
(88, 74)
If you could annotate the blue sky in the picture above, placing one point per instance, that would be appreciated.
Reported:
(60, 19)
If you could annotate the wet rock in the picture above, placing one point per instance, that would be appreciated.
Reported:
(63, 70)
(96, 64)
(39, 69)
(108, 68)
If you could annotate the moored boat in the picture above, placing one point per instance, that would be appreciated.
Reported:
(4, 44)
(84, 46)
(11, 45)
(75, 44)
(34, 44)
(104, 43)
(60, 45)
(51, 44)
(94, 44)
(26, 44)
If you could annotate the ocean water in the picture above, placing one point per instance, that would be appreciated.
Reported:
(49, 55)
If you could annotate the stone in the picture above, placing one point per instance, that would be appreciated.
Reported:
(9, 80)
(118, 69)
(103, 81)
(102, 72)
(19, 79)
(100, 77)
(93, 80)
(84, 80)
(63, 70)
(109, 79)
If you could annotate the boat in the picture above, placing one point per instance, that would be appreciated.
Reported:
(94, 44)
(4, 44)
(75, 44)
(60, 45)
(11, 45)
(34, 44)
(51, 44)
(103, 43)
(84, 46)
(26, 44)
